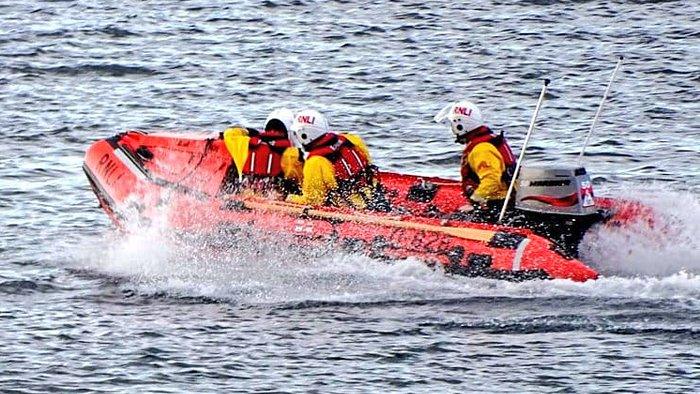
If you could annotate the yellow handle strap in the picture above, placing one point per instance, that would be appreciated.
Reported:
(459, 232)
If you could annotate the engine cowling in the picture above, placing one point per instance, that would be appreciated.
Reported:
(555, 190)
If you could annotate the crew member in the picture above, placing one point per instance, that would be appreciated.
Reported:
(487, 161)
(265, 165)
(336, 167)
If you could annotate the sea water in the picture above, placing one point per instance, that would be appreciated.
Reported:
(87, 307)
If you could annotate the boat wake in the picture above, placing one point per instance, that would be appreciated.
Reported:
(638, 262)
(667, 245)
(257, 271)
(240, 274)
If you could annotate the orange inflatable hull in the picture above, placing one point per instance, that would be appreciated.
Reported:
(178, 178)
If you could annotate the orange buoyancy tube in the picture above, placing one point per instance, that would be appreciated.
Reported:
(484, 134)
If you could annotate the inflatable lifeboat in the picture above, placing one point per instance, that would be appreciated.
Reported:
(183, 179)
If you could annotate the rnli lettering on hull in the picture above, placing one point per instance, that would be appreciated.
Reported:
(107, 167)
(114, 165)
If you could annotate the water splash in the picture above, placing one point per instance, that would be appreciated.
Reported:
(638, 260)
(241, 270)
(667, 246)
(238, 268)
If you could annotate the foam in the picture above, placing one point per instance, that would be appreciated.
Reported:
(262, 273)
(670, 245)
(636, 262)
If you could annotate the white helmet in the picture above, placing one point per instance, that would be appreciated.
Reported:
(279, 117)
(463, 116)
(308, 125)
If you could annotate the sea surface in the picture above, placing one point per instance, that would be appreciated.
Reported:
(84, 308)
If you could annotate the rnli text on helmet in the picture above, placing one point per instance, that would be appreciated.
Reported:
(463, 111)
(306, 119)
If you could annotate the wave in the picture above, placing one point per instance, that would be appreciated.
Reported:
(25, 286)
(117, 32)
(114, 70)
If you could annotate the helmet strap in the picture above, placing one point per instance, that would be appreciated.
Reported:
(477, 132)
(325, 139)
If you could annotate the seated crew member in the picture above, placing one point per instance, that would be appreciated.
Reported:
(337, 167)
(487, 163)
(264, 165)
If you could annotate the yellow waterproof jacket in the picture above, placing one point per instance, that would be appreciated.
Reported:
(318, 175)
(292, 165)
(487, 163)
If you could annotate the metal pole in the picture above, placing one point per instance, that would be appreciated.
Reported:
(600, 109)
(522, 151)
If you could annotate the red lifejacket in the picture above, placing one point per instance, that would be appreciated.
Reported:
(355, 176)
(265, 155)
(484, 134)
(348, 161)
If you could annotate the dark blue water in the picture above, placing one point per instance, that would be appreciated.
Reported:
(86, 308)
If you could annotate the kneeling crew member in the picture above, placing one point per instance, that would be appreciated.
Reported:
(336, 167)
(487, 161)
(266, 150)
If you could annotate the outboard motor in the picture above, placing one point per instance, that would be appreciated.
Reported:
(557, 202)
(555, 190)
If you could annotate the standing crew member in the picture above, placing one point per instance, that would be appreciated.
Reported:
(487, 161)
(336, 167)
